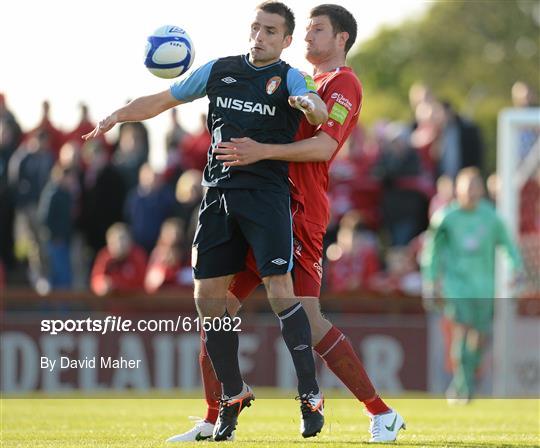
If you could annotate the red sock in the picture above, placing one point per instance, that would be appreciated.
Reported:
(211, 385)
(376, 406)
(338, 354)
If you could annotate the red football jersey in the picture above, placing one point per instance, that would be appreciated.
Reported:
(341, 90)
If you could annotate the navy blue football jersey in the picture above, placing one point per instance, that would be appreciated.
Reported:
(246, 101)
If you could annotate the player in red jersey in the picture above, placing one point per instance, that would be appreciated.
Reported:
(330, 34)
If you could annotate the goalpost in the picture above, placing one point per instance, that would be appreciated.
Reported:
(518, 170)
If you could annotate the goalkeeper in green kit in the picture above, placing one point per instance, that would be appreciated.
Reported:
(458, 265)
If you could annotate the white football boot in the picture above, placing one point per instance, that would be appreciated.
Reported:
(385, 427)
(202, 431)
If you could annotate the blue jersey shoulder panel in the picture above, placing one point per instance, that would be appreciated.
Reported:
(194, 85)
(296, 83)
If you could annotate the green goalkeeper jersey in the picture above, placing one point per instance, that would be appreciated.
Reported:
(460, 250)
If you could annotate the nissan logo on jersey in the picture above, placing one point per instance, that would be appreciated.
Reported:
(245, 106)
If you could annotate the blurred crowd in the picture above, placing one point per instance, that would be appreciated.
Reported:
(96, 215)
(78, 215)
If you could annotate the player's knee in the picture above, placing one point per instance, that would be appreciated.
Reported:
(203, 289)
(210, 298)
(279, 286)
(280, 292)
(209, 288)
(208, 307)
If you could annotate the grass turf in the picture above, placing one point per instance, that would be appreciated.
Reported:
(147, 422)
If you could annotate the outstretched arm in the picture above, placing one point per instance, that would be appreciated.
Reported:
(245, 151)
(139, 109)
(182, 91)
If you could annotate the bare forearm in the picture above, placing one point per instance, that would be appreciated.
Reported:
(314, 149)
(140, 109)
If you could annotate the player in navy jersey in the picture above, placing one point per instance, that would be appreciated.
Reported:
(262, 97)
(330, 33)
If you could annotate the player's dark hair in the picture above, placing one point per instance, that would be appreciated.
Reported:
(281, 9)
(341, 20)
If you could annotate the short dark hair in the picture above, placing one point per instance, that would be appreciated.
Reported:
(341, 20)
(281, 9)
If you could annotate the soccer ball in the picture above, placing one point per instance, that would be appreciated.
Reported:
(169, 52)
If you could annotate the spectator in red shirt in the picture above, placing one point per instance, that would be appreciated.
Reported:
(56, 136)
(354, 259)
(169, 263)
(120, 266)
(402, 273)
(174, 140)
(426, 135)
(85, 126)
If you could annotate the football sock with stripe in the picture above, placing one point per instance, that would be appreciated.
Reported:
(340, 357)
(296, 333)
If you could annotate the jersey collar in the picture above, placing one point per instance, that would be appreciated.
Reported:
(343, 68)
(246, 60)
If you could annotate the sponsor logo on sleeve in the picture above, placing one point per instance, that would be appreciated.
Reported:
(340, 99)
(338, 113)
(310, 82)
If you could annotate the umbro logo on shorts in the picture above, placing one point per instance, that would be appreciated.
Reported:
(228, 80)
(279, 261)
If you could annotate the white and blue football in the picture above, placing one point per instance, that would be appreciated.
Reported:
(169, 52)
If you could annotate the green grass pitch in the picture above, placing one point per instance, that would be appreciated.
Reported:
(147, 422)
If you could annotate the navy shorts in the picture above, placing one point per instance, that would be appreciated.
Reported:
(231, 221)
